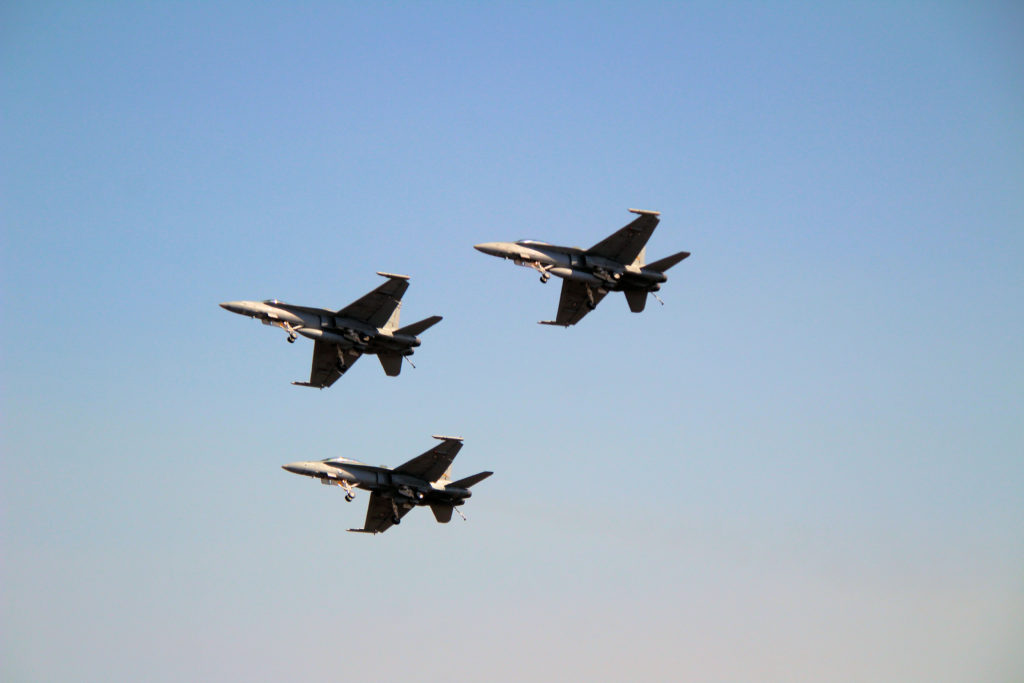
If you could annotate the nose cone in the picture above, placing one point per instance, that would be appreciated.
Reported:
(249, 308)
(294, 467)
(491, 248)
(234, 307)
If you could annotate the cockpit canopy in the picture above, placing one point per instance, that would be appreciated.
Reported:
(549, 247)
(343, 460)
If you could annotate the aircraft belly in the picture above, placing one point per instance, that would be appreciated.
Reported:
(396, 344)
(556, 259)
(603, 263)
(309, 320)
(545, 258)
(360, 478)
(280, 315)
(340, 324)
(578, 276)
(327, 336)
(405, 480)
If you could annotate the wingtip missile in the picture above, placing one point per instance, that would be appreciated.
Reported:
(644, 212)
(392, 275)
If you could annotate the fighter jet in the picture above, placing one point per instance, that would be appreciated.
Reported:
(424, 480)
(367, 325)
(615, 264)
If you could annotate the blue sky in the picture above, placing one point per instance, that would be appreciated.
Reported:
(807, 465)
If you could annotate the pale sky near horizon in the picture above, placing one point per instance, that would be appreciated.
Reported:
(808, 465)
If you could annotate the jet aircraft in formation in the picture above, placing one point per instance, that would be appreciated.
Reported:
(367, 325)
(615, 264)
(424, 480)
(370, 325)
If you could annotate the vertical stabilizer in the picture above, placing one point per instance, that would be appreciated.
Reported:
(391, 362)
(641, 258)
(636, 298)
(392, 323)
(442, 512)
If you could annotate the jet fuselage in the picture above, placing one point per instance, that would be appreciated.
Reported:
(324, 325)
(404, 489)
(573, 263)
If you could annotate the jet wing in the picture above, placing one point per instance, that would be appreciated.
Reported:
(329, 363)
(625, 244)
(380, 514)
(434, 463)
(573, 304)
(376, 307)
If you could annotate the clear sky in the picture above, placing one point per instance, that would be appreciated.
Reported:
(807, 466)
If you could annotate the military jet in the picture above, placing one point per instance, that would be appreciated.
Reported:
(424, 480)
(615, 264)
(367, 325)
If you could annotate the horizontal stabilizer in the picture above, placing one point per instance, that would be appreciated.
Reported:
(418, 328)
(471, 481)
(667, 262)
(442, 512)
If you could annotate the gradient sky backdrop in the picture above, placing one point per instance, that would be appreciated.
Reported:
(807, 466)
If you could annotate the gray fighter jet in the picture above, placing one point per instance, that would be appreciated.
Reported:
(424, 480)
(367, 325)
(615, 264)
